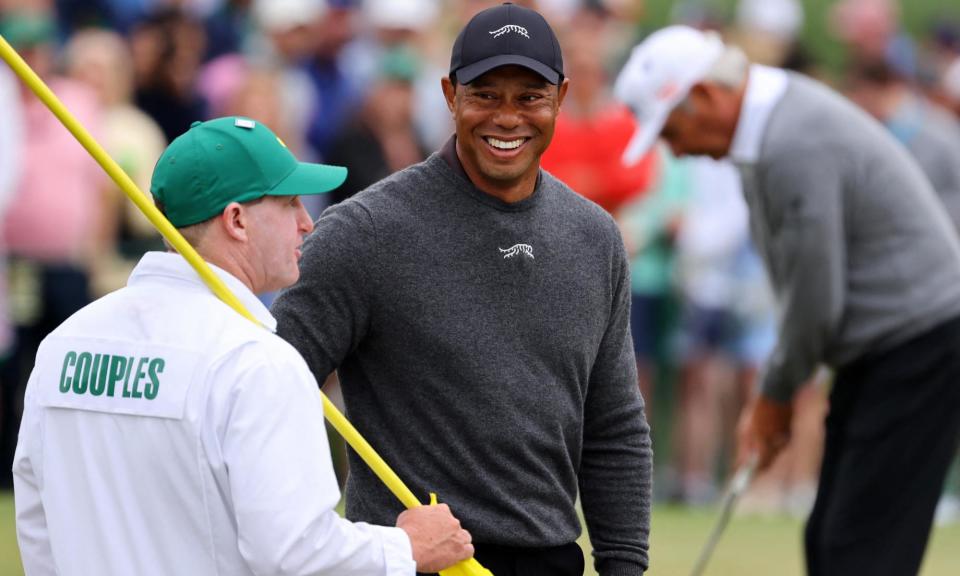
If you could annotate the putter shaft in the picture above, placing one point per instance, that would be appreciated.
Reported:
(738, 485)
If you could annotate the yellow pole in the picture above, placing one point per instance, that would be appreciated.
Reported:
(216, 285)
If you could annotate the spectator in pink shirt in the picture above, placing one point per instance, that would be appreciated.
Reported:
(52, 221)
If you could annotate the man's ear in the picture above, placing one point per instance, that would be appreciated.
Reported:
(716, 109)
(562, 91)
(449, 92)
(235, 221)
(702, 94)
(712, 95)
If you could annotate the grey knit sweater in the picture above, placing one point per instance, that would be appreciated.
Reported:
(484, 351)
(859, 249)
(932, 136)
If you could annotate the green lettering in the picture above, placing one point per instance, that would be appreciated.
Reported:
(98, 374)
(126, 377)
(152, 387)
(139, 373)
(81, 375)
(118, 364)
(69, 360)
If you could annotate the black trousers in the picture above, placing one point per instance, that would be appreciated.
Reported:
(891, 434)
(566, 560)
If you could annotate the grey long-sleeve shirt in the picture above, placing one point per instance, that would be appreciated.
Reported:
(932, 136)
(860, 251)
(484, 351)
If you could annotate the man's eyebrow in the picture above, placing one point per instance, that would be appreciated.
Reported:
(531, 85)
(478, 83)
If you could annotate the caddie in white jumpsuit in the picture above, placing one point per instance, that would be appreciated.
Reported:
(163, 433)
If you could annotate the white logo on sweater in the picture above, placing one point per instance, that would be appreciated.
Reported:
(525, 249)
(510, 28)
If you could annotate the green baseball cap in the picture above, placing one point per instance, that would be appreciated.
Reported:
(232, 159)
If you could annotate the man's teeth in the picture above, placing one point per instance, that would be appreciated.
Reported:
(502, 145)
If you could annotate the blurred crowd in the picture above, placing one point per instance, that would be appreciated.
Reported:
(356, 83)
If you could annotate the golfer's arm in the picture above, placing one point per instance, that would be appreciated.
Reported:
(808, 254)
(32, 534)
(283, 485)
(616, 461)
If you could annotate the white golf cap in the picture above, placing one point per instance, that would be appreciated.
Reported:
(659, 74)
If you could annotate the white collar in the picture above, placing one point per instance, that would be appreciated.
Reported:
(169, 265)
(765, 87)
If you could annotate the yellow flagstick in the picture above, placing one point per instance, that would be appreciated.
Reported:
(336, 418)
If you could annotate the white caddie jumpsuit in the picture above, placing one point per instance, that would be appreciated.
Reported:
(165, 434)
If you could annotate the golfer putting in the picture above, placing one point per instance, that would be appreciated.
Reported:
(865, 265)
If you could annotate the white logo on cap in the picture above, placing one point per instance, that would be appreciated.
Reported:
(510, 28)
(525, 249)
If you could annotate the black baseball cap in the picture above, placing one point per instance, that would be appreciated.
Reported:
(502, 35)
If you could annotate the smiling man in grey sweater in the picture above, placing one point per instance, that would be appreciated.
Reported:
(476, 310)
(866, 268)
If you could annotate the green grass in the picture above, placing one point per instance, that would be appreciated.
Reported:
(9, 553)
(757, 545)
(751, 546)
